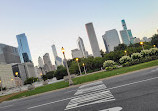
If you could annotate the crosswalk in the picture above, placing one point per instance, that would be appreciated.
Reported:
(89, 94)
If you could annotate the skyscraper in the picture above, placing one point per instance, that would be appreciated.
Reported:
(111, 40)
(93, 40)
(126, 34)
(58, 60)
(40, 62)
(23, 48)
(81, 47)
(47, 63)
(9, 54)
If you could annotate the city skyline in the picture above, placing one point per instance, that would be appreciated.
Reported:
(141, 22)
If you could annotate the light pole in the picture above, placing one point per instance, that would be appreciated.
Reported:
(78, 66)
(141, 43)
(154, 46)
(84, 68)
(1, 85)
(69, 77)
(125, 52)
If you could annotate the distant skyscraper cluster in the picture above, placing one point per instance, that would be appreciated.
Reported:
(16, 62)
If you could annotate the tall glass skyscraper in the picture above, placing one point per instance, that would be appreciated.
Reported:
(126, 34)
(23, 48)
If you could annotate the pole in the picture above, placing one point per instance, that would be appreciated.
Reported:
(70, 81)
(1, 85)
(142, 47)
(79, 68)
(85, 70)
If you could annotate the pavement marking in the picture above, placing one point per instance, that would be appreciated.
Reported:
(89, 94)
(133, 83)
(6, 106)
(112, 109)
(49, 103)
(92, 93)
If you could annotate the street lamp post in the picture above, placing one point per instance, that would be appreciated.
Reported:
(154, 46)
(84, 68)
(1, 85)
(141, 43)
(69, 77)
(78, 66)
(125, 52)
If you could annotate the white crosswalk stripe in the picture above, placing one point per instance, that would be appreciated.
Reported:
(88, 94)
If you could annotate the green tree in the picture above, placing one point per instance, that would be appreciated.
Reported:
(50, 74)
(60, 72)
(120, 47)
(154, 40)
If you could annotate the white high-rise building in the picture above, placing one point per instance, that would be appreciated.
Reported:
(40, 62)
(93, 40)
(81, 47)
(76, 53)
(111, 40)
(58, 60)
(47, 63)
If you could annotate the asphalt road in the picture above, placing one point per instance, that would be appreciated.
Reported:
(137, 91)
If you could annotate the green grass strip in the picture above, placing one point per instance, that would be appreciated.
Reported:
(87, 78)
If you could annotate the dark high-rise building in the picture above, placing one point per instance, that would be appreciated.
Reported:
(9, 54)
(23, 48)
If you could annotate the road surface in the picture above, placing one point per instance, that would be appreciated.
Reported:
(136, 91)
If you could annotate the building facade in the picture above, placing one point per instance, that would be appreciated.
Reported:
(9, 54)
(24, 70)
(126, 34)
(76, 53)
(6, 76)
(47, 63)
(58, 60)
(93, 40)
(111, 40)
(23, 48)
(82, 47)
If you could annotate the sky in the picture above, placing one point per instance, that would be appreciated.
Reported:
(61, 22)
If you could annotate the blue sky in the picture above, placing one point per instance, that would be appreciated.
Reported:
(60, 22)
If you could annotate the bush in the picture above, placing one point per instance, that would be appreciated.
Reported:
(136, 56)
(60, 72)
(110, 68)
(50, 74)
(125, 59)
(154, 51)
(30, 80)
(145, 53)
(108, 63)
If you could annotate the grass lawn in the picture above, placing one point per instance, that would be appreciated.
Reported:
(86, 78)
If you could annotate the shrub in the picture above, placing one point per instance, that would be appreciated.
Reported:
(136, 56)
(30, 80)
(125, 59)
(60, 72)
(154, 51)
(108, 63)
(110, 68)
(145, 53)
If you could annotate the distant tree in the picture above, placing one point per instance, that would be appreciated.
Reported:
(102, 53)
(120, 47)
(60, 72)
(50, 74)
(30, 80)
(154, 40)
